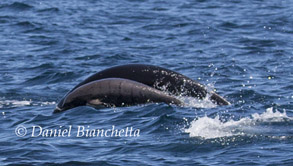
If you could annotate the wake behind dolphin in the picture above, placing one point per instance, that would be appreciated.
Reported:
(132, 84)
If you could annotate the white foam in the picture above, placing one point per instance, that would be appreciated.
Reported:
(21, 103)
(209, 128)
(15, 103)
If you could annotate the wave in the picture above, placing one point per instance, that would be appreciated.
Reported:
(17, 6)
(50, 10)
(211, 128)
(48, 77)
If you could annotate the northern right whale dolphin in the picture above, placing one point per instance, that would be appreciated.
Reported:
(114, 92)
(157, 77)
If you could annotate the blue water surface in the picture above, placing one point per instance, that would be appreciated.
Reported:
(241, 48)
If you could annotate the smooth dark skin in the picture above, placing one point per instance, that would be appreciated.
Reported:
(158, 78)
(115, 92)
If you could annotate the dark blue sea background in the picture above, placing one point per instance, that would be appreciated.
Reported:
(241, 48)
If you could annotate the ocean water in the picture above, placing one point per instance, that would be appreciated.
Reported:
(241, 48)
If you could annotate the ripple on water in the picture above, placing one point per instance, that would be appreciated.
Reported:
(17, 6)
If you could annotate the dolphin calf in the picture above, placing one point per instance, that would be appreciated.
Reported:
(114, 92)
(157, 77)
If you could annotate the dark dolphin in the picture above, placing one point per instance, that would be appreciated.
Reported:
(158, 78)
(114, 92)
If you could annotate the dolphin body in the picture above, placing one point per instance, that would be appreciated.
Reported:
(114, 92)
(157, 77)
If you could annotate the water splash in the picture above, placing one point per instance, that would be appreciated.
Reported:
(197, 103)
(210, 128)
